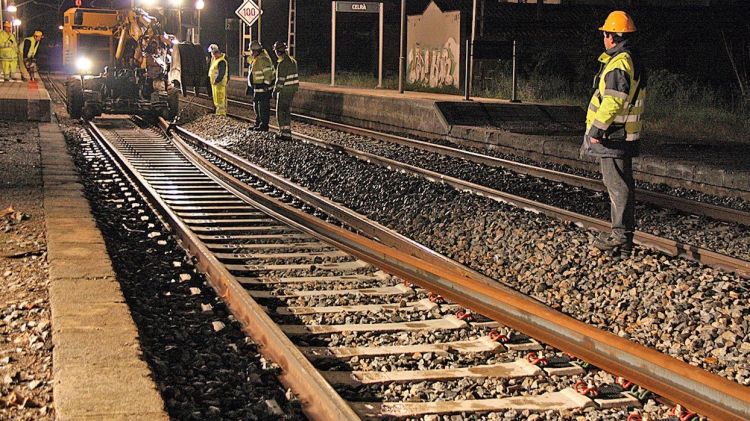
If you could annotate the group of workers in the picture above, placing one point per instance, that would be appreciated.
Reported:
(613, 118)
(264, 82)
(13, 55)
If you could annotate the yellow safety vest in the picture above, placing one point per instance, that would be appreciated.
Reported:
(32, 49)
(287, 79)
(213, 70)
(261, 72)
(611, 109)
(7, 46)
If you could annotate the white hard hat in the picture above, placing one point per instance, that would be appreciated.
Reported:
(213, 48)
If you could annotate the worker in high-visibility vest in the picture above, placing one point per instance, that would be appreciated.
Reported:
(27, 56)
(287, 83)
(613, 127)
(8, 52)
(259, 84)
(218, 75)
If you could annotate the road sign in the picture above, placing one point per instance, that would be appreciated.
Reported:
(249, 12)
(358, 6)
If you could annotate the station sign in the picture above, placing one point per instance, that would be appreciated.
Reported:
(249, 12)
(358, 6)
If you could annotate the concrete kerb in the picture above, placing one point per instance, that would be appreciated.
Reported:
(98, 369)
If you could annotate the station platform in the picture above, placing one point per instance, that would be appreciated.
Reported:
(98, 371)
(24, 101)
(541, 132)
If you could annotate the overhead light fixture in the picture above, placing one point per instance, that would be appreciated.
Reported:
(200, 4)
(176, 3)
(12, 8)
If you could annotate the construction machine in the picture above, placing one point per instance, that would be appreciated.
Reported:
(122, 62)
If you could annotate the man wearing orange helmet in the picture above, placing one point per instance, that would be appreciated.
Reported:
(613, 127)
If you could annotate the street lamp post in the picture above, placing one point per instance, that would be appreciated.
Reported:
(199, 5)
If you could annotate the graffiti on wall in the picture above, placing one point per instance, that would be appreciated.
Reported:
(434, 55)
(434, 67)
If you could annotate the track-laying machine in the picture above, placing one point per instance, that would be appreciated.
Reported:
(122, 62)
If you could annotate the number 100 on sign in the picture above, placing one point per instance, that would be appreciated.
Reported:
(249, 12)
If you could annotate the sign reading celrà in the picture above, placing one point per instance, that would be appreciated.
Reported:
(358, 6)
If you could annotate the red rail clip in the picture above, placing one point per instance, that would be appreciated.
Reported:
(634, 416)
(435, 298)
(465, 315)
(533, 358)
(497, 336)
(683, 414)
(586, 389)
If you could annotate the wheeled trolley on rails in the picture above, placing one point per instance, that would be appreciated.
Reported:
(122, 62)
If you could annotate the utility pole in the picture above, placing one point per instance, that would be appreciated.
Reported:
(402, 50)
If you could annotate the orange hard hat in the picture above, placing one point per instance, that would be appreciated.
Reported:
(618, 22)
(7, 24)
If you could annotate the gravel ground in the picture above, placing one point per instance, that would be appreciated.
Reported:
(727, 238)
(731, 239)
(697, 314)
(204, 365)
(25, 334)
(680, 151)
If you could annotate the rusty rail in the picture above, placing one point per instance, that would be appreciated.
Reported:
(319, 399)
(690, 386)
(646, 196)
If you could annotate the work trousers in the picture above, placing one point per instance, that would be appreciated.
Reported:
(283, 111)
(9, 68)
(28, 69)
(617, 174)
(262, 107)
(220, 98)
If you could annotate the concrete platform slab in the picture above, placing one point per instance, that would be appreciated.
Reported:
(99, 372)
(24, 101)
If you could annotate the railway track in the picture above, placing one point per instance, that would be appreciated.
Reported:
(256, 245)
(667, 245)
(230, 220)
(642, 195)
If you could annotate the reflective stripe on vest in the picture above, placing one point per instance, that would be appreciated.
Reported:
(629, 113)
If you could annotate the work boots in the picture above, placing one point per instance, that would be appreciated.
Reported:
(622, 244)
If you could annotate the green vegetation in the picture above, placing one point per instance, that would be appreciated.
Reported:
(677, 109)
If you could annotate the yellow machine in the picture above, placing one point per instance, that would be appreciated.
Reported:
(89, 33)
(122, 62)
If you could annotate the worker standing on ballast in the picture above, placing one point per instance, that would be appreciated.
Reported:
(259, 84)
(613, 127)
(287, 83)
(218, 75)
(27, 56)
(8, 52)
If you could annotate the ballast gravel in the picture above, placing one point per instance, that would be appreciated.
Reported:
(204, 365)
(708, 233)
(694, 313)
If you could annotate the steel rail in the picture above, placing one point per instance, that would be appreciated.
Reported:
(694, 388)
(655, 198)
(319, 399)
(671, 247)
